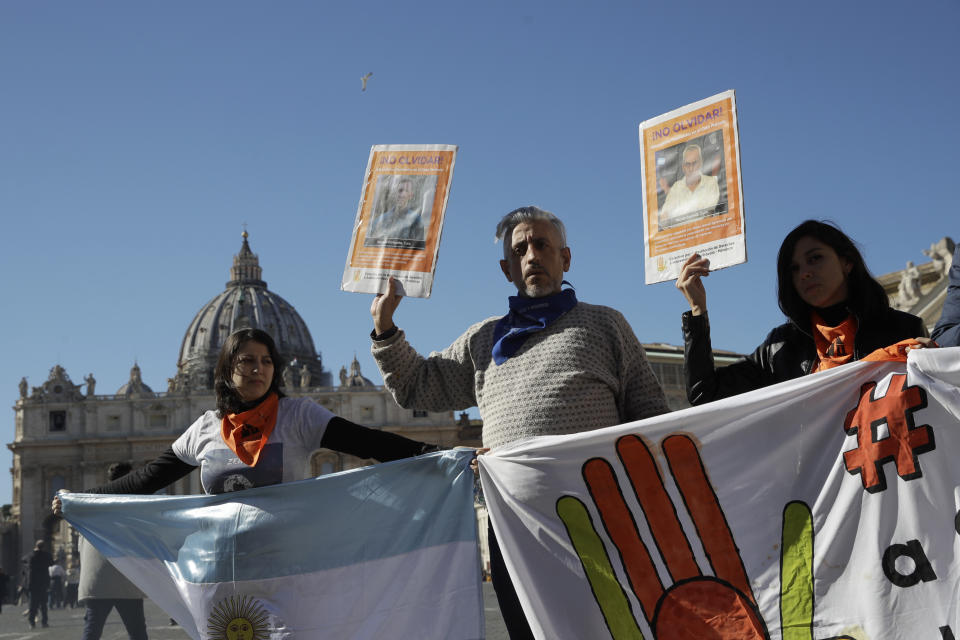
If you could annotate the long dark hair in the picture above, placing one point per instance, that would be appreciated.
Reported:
(228, 400)
(865, 296)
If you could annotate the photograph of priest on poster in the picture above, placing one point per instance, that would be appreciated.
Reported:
(402, 206)
(691, 181)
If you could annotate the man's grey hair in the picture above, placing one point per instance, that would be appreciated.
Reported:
(694, 147)
(527, 214)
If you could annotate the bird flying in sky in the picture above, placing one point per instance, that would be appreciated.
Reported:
(364, 79)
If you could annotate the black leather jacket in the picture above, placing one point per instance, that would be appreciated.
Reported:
(788, 352)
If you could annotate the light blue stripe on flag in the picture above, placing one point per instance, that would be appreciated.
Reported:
(300, 527)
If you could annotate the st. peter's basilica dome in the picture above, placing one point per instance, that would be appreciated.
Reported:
(247, 302)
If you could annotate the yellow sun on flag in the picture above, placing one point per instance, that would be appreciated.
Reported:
(238, 618)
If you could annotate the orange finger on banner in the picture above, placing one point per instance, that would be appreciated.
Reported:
(704, 508)
(622, 530)
(659, 510)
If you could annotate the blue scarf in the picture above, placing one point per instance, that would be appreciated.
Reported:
(527, 316)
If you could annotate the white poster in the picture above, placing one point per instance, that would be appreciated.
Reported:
(692, 195)
(400, 219)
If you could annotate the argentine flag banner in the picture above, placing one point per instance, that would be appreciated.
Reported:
(388, 551)
(822, 508)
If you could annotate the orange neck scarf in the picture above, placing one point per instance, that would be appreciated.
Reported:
(834, 344)
(246, 433)
(896, 352)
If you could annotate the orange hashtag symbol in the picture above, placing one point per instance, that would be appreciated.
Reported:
(903, 443)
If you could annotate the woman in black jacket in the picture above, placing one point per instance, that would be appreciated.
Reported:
(837, 314)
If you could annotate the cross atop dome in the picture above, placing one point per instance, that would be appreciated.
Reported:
(246, 266)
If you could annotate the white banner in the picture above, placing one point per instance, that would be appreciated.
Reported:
(821, 508)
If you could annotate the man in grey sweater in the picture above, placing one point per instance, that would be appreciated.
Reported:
(552, 365)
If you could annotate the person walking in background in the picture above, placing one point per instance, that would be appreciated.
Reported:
(70, 592)
(4, 582)
(57, 575)
(22, 588)
(40, 561)
(103, 588)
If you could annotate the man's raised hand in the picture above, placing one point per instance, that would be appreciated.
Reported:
(383, 306)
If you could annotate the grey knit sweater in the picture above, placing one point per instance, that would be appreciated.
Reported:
(585, 371)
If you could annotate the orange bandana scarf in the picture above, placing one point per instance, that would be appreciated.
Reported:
(834, 344)
(897, 352)
(246, 433)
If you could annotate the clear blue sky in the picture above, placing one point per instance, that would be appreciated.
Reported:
(136, 138)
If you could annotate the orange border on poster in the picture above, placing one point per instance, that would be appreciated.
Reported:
(696, 232)
(403, 163)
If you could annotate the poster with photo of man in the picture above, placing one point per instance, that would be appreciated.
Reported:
(691, 181)
(399, 219)
(692, 195)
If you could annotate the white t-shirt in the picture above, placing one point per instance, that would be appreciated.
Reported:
(301, 424)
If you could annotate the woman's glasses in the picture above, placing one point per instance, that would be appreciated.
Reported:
(248, 364)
